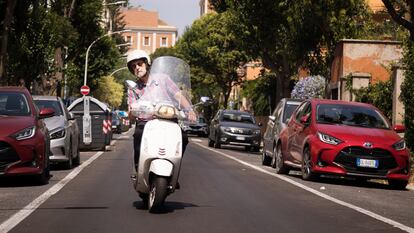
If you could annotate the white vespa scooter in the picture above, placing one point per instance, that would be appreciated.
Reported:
(161, 145)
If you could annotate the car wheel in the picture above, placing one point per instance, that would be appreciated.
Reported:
(68, 164)
(44, 177)
(266, 160)
(307, 173)
(398, 184)
(217, 143)
(280, 165)
(76, 160)
(210, 143)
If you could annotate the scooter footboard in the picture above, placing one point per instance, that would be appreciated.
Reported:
(161, 167)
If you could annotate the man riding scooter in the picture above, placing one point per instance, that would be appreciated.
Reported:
(139, 64)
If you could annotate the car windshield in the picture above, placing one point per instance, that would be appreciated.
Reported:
(13, 104)
(201, 120)
(238, 117)
(54, 104)
(350, 115)
(289, 108)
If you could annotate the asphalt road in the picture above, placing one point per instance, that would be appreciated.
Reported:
(224, 190)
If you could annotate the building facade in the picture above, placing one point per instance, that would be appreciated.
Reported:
(148, 31)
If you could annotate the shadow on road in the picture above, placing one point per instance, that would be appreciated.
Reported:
(169, 206)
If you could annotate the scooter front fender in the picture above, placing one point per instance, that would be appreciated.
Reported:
(161, 167)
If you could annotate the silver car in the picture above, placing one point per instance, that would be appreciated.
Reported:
(275, 125)
(63, 131)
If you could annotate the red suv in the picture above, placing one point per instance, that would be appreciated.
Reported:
(343, 138)
(24, 138)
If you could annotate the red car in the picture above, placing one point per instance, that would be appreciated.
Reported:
(345, 139)
(24, 138)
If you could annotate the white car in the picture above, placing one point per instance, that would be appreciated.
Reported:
(63, 131)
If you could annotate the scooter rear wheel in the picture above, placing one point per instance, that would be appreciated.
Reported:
(158, 193)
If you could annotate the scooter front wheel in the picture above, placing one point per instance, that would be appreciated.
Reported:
(158, 193)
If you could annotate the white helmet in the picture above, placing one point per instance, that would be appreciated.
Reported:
(137, 54)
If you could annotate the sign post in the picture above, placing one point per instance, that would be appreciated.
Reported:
(87, 126)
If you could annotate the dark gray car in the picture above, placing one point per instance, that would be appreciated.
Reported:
(234, 128)
(276, 123)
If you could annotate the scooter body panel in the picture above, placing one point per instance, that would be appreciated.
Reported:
(161, 140)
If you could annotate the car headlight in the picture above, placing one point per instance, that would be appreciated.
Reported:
(26, 133)
(400, 145)
(226, 129)
(60, 133)
(328, 139)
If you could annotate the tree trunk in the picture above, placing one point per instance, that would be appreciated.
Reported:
(10, 5)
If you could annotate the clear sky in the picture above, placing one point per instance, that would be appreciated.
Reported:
(178, 13)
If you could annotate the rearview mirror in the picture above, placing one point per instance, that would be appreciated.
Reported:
(304, 119)
(399, 128)
(46, 112)
(130, 84)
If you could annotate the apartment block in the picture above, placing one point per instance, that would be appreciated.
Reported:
(148, 31)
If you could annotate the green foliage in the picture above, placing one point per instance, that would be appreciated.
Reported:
(211, 49)
(261, 92)
(407, 90)
(109, 91)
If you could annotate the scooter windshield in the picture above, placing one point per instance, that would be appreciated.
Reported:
(168, 85)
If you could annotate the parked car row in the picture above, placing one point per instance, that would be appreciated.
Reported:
(337, 138)
(36, 131)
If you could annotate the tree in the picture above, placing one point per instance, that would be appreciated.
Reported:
(211, 48)
(109, 91)
(287, 35)
(402, 12)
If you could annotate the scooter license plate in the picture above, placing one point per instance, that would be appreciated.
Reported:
(371, 163)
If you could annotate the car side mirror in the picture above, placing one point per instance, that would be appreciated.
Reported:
(46, 112)
(71, 116)
(399, 128)
(304, 119)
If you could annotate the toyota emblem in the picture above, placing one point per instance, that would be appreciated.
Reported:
(367, 144)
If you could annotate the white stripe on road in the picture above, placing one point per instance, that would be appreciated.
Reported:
(196, 140)
(323, 195)
(7, 225)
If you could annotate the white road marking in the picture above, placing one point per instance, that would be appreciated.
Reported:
(323, 195)
(11, 222)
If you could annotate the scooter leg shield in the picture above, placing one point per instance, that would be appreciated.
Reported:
(161, 167)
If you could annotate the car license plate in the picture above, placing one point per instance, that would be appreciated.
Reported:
(367, 163)
(240, 138)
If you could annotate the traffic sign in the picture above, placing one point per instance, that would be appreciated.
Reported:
(84, 90)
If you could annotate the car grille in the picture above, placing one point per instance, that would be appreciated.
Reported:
(348, 159)
(195, 127)
(7, 156)
(243, 131)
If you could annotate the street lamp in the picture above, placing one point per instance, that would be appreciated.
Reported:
(89, 48)
(109, 13)
(122, 68)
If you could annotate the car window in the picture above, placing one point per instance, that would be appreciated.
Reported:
(201, 120)
(351, 115)
(276, 112)
(14, 104)
(287, 112)
(50, 104)
(238, 117)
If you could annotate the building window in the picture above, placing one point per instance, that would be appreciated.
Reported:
(147, 41)
(128, 39)
(164, 42)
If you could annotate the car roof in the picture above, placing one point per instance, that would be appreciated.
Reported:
(328, 101)
(235, 111)
(44, 97)
(14, 89)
